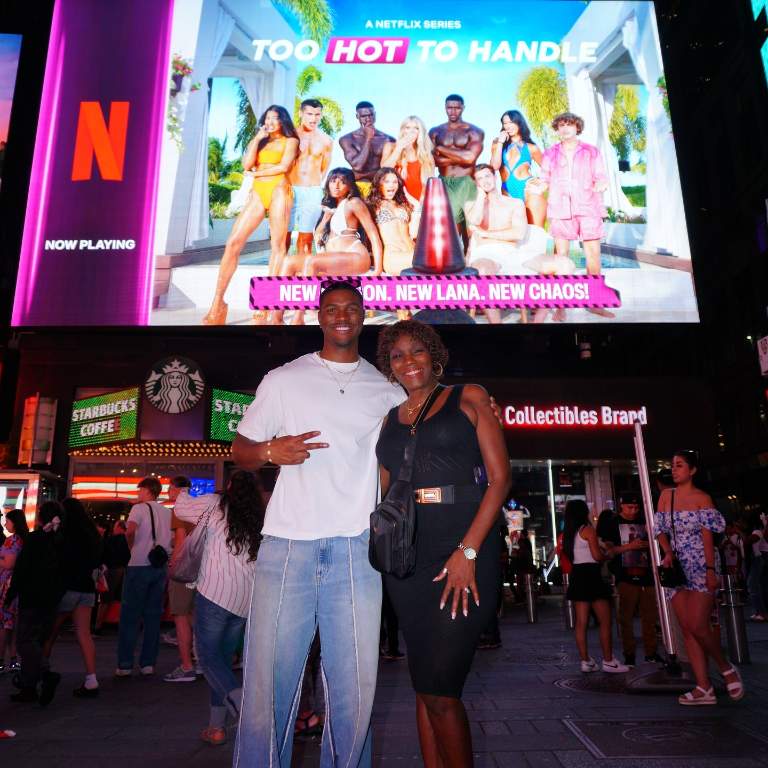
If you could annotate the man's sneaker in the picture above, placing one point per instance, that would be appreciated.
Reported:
(86, 693)
(147, 671)
(654, 658)
(629, 659)
(589, 666)
(180, 675)
(48, 685)
(613, 666)
(120, 672)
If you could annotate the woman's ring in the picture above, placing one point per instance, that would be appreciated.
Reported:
(467, 590)
(445, 571)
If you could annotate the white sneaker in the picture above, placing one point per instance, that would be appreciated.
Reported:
(589, 666)
(614, 666)
(147, 671)
(120, 672)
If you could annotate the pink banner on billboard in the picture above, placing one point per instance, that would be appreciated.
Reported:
(444, 292)
(86, 256)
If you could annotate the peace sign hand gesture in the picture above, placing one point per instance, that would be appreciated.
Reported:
(291, 449)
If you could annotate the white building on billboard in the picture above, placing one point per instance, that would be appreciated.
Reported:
(216, 36)
(629, 53)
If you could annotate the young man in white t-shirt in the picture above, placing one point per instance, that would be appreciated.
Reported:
(318, 418)
(144, 585)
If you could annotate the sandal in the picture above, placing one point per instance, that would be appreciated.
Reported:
(736, 688)
(707, 697)
(306, 727)
(214, 736)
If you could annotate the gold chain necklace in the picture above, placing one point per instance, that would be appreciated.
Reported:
(416, 407)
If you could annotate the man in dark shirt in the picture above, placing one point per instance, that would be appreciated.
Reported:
(627, 537)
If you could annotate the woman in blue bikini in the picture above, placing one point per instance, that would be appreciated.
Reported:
(512, 153)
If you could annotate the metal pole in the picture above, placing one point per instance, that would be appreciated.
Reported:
(733, 612)
(530, 599)
(569, 614)
(552, 505)
(645, 487)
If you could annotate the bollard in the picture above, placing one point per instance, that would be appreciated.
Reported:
(732, 604)
(569, 615)
(530, 599)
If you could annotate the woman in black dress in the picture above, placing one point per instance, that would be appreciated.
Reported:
(438, 605)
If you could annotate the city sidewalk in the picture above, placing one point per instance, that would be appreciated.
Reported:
(528, 704)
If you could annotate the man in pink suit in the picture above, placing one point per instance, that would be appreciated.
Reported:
(575, 174)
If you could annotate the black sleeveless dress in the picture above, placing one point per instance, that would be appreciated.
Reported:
(440, 649)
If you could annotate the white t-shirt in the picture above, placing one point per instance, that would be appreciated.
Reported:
(334, 491)
(759, 547)
(142, 542)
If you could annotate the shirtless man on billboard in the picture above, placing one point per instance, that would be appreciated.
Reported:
(307, 174)
(457, 144)
(362, 148)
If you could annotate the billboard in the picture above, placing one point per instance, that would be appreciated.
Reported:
(108, 418)
(227, 410)
(10, 46)
(533, 177)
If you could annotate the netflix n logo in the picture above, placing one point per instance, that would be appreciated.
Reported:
(100, 139)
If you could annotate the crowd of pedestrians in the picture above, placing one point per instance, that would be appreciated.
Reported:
(292, 579)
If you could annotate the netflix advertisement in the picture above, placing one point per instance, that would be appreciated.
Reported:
(208, 163)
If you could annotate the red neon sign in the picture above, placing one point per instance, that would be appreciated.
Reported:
(572, 417)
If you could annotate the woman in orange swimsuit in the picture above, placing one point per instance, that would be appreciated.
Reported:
(411, 156)
(267, 159)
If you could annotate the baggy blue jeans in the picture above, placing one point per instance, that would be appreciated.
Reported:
(300, 586)
(142, 598)
(218, 633)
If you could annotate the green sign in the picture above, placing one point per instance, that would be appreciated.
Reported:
(227, 408)
(106, 418)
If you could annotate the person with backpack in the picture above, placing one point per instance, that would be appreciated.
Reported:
(149, 537)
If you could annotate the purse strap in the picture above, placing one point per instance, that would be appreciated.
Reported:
(152, 521)
(406, 468)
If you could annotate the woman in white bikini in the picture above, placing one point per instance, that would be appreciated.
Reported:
(345, 231)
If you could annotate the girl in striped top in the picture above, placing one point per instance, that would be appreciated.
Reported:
(233, 521)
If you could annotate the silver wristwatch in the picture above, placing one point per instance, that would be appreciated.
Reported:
(469, 553)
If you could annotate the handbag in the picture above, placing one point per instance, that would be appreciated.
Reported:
(673, 575)
(392, 544)
(186, 568)
(157, 556)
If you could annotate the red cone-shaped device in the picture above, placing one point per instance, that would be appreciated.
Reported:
(438, 245)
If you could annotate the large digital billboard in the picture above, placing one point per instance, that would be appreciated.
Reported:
(10, 47)
(499, 163)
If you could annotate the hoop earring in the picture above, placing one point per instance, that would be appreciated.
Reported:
(393, 380)
(439, 373)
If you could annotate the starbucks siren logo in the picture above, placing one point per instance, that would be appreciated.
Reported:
(174, 385)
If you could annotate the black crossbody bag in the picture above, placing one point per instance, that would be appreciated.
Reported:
(392, 545)
(674, 575)
(157, 556)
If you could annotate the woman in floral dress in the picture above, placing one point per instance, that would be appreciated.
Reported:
(16, 525)
(685, 525)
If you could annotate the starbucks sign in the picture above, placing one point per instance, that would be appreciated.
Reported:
(174, 385)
